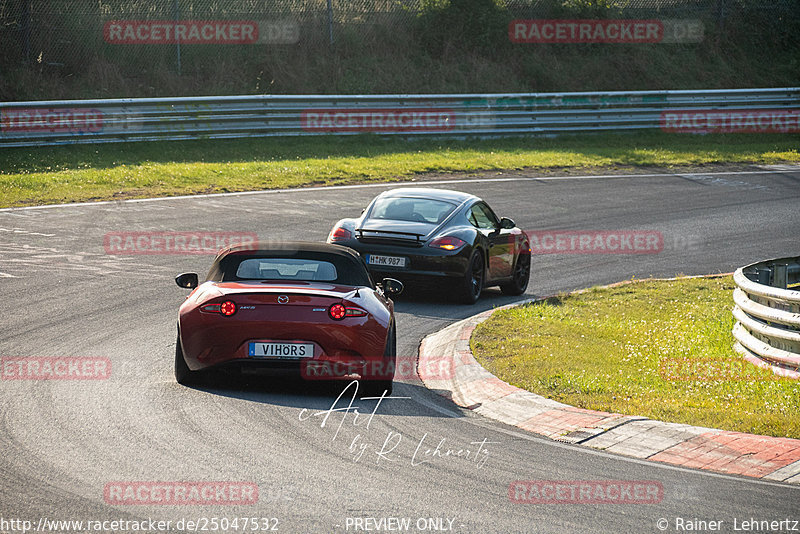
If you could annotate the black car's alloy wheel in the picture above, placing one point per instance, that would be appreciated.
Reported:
(472, 284)
(522, 272)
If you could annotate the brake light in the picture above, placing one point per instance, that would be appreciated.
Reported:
(227, 308)
(447, 243)
(339, 234)
(339, 312)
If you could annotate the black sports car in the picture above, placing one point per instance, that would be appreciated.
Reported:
(422, 235)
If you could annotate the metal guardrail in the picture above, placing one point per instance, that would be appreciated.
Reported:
(767, 330)
(149, 119)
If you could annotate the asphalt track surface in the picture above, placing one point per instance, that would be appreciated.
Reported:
(62, 441)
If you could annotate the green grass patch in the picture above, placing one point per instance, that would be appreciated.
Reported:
(660, 349)
(32, 176)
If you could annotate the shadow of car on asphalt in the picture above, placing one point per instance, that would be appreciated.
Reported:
(318, 396)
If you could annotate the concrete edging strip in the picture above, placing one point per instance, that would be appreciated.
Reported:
(446, 366)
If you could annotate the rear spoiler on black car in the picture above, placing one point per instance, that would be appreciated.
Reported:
(416, 239)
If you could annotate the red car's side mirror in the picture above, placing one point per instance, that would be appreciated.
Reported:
(187, 280)
(391, 286)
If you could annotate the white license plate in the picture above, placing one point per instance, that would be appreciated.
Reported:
(281, 350)
(391, 261)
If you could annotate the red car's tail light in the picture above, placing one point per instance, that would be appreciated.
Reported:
(447, 243)
(226, 308)
(339, 234)
(337, 312)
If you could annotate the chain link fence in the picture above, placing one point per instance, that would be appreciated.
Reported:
(108, 48)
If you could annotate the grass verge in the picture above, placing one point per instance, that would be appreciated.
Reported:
(33, 176)
(660, 349)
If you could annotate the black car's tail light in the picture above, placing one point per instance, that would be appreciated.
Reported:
(447, 243)
(337, 312)
(226, 308)
(339, 234)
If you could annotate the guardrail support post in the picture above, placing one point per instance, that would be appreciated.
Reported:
(780, 276)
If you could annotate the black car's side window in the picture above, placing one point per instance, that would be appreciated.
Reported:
(481, 216)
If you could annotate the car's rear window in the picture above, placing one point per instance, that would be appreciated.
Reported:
(411, 209)
(287, 269)
(300, 265)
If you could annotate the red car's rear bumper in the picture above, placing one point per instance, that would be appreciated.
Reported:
(355, 343)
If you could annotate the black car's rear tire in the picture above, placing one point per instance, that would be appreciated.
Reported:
(377, 387)
(183, 375)
(469, 289)
(522, 273)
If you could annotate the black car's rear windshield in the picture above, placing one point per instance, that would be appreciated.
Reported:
(300, 266)
(424, 210)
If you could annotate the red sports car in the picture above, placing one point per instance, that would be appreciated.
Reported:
(300, 308)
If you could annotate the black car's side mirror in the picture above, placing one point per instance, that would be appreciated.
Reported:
(507, 224)
(391, 286)
(187, 280)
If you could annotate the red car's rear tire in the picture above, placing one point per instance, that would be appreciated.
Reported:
(377, 387)
(183, 375)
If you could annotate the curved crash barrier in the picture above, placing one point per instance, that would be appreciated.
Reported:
(767, 313)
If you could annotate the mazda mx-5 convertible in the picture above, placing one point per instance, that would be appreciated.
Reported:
(439, 237)
(305, 309)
